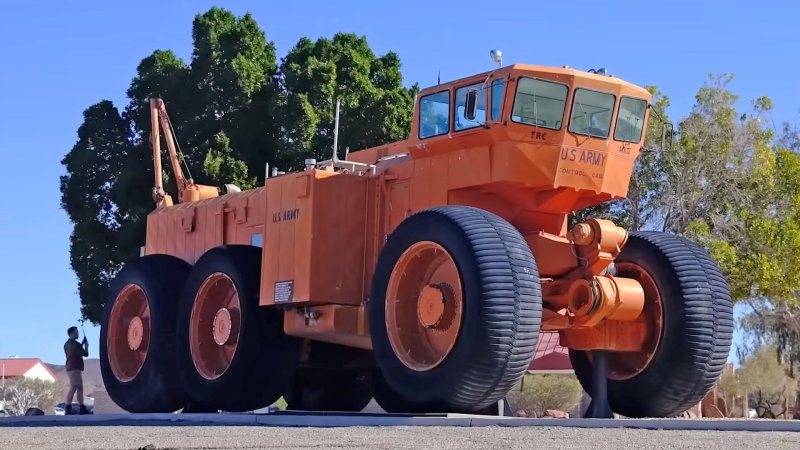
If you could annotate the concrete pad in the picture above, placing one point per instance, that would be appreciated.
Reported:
(330, 420)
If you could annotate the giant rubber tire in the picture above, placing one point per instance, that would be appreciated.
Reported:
(265, 357)
(395, 403)
(696, 335)
(501, 317)
(157, 387)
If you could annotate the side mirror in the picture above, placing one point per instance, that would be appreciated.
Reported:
(471, 105)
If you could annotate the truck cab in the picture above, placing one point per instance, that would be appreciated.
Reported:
(536, 142)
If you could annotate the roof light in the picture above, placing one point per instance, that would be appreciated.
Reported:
(600, 71)
(497, 56)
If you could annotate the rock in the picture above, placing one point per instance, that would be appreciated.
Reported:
(689, 414)
(556, 414)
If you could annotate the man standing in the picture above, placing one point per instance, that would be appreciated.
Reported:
(75, 353)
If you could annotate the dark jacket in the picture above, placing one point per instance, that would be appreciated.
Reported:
(75, 353)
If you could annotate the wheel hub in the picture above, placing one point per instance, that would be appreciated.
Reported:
(222, 326)
(214, 325)
(423, 313)
(623, 366)
(128, 333)
(135, 333)
(430, 306)
(436, 307)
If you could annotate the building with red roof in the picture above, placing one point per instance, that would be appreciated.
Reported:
(11, 368)
(550, 357)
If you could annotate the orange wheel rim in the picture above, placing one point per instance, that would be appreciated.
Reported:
(128, 335)
(424, 306)
(214, 326)
(626, 365)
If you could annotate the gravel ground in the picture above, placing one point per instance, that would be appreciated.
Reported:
(438, 438)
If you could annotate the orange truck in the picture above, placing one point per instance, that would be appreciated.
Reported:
(420, 273)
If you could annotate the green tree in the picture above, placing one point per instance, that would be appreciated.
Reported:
(774, 318)
(643, 203)
(733, 187)
(233, 110)
(764, 379)
(711, 170)
(99, 195)
(790, 137)
(721, 183)
(375, 107)
(22, 393)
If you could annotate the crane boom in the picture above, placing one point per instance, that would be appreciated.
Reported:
(187, 189)
(158, 188)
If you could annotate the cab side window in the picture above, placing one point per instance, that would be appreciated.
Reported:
(434, 114)
(498, 88)
(630, 119)
(462, 123)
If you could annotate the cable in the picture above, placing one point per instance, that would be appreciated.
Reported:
(178, 145)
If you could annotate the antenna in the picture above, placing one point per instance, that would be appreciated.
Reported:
(497, 56)
(336, 133)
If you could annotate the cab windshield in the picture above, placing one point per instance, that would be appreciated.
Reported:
(539, 103)
(591, 113)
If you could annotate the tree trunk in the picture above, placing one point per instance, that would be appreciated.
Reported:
(746, 406)
(785, 404)
(796, 414)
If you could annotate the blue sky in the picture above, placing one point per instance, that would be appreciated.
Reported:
(60, 57)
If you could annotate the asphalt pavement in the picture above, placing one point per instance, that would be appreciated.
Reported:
(394, 437)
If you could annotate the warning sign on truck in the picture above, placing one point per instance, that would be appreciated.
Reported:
(283, 291)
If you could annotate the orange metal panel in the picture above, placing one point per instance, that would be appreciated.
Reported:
(421, 182)
(337, 324)
(438, 181)
(469, 167)
(552, 254)
(608, 335)
(374, 234)
(314, 240)
(218, 219)
(285, 259)
(188, 230)
(337, 250)
(398, 207)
